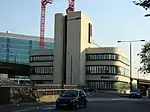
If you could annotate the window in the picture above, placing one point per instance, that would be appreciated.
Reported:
(90, 33)
(106, 56)
(42, 70)
(106, 69)
(41, 58)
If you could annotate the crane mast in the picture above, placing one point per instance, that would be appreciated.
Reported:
(42, 23)
(70, 8)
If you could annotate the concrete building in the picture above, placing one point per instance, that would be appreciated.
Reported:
(41, 66)
(73, 34)
(77, 60)
(106, 68)
(14, 54)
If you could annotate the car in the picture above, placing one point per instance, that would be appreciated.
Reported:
(135, 94)
(72, 98)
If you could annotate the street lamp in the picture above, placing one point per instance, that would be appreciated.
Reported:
(130, 42)
(138, 70)
(147, 15)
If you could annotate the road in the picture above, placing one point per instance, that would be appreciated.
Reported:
(95, 105)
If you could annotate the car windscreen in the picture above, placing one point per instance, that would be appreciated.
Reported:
(136, 90)
(70, 93)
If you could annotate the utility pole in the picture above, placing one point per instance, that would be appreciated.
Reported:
(130, 42)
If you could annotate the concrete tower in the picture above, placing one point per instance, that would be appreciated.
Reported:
(73, 34)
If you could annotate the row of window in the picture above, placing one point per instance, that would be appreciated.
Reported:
(14, 58)
(23, 46)
(106, 69)
(42, 70)
(107, 85)
(106, 56)
(41, 58)
(25, 42)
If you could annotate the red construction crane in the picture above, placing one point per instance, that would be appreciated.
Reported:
(71, 6)
(42, 24)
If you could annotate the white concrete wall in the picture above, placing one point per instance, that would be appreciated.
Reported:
(107, 62)
(114, 50)
(77, 42)
(73, 48)
(110, 78)
(106, 50)
(58, 47)
(41, 77)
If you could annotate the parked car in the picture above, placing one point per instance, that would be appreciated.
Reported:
(136, 93)
(148, 92)
(72, 98)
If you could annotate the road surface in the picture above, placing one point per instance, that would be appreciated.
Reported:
(94, 105)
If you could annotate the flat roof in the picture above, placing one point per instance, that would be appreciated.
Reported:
(22, 36)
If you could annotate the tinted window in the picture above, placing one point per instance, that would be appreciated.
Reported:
(82, 93)
(70, 93)
(135, 90)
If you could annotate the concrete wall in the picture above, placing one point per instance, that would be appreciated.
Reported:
(44, 52)
(77, 42)
(106, 50)
(114, 50)
(109, 78)
(58, 47)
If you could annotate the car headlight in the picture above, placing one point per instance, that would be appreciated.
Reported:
(57, 100)
(72, 101)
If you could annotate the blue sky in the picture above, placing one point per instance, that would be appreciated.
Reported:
(113, 20)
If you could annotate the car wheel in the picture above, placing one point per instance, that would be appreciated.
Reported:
(85, 105)
(57, 107)
(76, 106)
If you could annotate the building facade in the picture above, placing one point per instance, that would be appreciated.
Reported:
(15, 48)
(41, 66)
(78, 60)
(73, 34)
(107, 68)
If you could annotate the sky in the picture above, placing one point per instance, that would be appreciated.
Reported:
(112, 20)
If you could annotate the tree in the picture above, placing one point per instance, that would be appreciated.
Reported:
(145, 58)
(143, 3)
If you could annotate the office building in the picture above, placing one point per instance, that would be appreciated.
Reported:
(14, 52)
(107, 68)
(15, 48)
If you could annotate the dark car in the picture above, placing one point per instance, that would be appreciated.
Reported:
(72, 98)
(135, 94)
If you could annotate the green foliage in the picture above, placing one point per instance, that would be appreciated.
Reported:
(145, 57)
(143, 3)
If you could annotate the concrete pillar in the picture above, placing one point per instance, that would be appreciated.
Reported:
(58, 47)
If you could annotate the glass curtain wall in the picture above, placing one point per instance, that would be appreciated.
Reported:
(15, 50)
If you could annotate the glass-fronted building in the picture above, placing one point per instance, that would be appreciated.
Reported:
(15, 48)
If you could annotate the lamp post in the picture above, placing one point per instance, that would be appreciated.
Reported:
(130, 43)
(138, 70)
(71, 70)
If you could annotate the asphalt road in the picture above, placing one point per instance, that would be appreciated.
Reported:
(94, 105)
